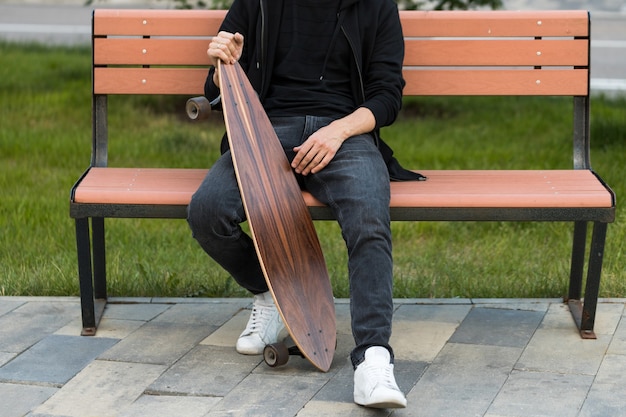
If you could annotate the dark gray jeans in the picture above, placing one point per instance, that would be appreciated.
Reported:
(355, 185)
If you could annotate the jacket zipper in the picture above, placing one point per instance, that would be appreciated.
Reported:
(357, 63)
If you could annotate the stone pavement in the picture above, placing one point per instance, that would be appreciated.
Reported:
(175, 358)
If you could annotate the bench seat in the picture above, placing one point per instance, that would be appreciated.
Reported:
(444, 188)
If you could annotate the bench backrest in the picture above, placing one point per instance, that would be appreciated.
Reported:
(500, 52)
(447, 53)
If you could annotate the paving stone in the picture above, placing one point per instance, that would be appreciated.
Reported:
(607, 396)
(202, 314)
(205, 371)
(420, 341)
(17, 400)
(563, 351)
(260, 396)
(8, 304)
(560, 317)
(134, 311)
(498, 327)
(243, 301)
(618, 343)
(169, 406)
(332, 409)
(345, 345)
(227, 334)
(452, 313)
(528, 304)
(49, 306)
(101, 389)
(529, 394)
(158, 343)
(433, 301)
(408, 373)
(342, 316)
(32, 321)
(108, 328)
(339, 388)
(18, 333)
(6, 357)
(55, 359)
(421, 331)
(463, 380)
(608, 318)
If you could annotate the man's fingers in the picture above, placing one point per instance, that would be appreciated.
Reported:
(226, 47)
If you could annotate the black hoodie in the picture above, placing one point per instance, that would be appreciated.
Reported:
(374, 33)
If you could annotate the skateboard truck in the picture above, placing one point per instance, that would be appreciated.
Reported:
(277, 354)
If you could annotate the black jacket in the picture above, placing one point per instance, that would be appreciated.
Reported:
(374, 33)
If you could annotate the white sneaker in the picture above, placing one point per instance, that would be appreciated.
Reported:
(264, 326)
(374, 383)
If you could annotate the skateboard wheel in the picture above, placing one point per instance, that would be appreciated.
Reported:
(276, 354)
(198, 108)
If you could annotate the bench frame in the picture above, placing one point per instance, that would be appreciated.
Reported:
(132, 47)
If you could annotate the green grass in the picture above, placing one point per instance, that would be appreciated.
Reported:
(45, 145)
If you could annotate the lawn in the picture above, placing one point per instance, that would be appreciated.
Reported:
(45, 145)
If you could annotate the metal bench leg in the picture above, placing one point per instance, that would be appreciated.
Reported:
(592, 289)
(585, 313)
(99, 259)
(91, 309)
(83, 250)
(578, 261)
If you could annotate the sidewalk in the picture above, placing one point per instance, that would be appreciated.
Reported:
(175, 357)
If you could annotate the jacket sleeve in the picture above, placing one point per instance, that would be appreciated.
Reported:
(383, 82)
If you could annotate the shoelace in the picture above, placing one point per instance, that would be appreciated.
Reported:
(259, 318)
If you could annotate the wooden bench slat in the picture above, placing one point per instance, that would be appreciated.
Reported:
(187, 81)
(139, 185)
(508, 188)
(139, 51)
(544, 82)
(190, 81)
(448, 23)
(504, 23)
(466, 188)
(496, 52)
(150, 22)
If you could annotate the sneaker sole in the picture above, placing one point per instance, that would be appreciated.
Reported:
(382, 404)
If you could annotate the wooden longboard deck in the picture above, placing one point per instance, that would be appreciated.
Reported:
(284, 236)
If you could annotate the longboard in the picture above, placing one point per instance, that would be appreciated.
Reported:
(282, 229)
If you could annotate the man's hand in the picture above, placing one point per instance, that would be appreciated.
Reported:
(321, 147)
(317, 151)
(226, 47)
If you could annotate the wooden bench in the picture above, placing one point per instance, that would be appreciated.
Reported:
(447, 53)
